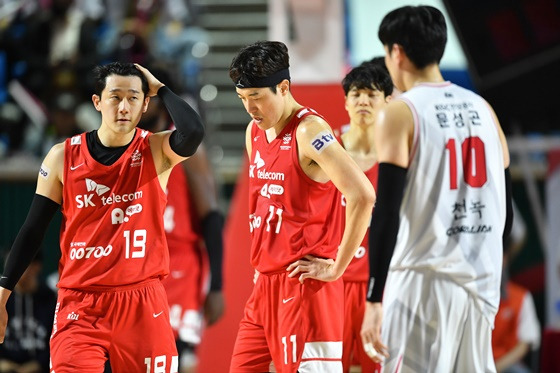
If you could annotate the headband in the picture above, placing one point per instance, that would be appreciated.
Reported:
(267, 81)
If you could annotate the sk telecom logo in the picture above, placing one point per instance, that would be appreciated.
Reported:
(258, 163)
(86, 200)
(99, 189)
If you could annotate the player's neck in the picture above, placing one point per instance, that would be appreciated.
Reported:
(358, 139)
(429, 74)
(111, 139)
(290, 109)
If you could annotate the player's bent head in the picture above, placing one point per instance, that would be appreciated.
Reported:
(420, 30)
(368, 76)
(261, 64)
(117, 68)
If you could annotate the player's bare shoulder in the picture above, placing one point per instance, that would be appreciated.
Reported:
(160, 148)
(54, 161)
(311, 122)
(314, 135)
(249, 138)
(156, 139)
(50, 178)
(395, 113)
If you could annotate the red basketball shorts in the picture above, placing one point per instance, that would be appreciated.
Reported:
(130, 325)
(298, 327)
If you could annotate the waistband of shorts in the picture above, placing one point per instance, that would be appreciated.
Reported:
(284, 269)
(275, 273)
(151, 282)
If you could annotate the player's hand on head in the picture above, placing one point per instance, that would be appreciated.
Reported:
(214, 306)
(371, 333)
(313, 268)
(153, 83)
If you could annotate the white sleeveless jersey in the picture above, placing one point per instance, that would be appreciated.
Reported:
(453, 211)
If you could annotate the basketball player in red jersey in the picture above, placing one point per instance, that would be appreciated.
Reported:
(367, 89)
(292, 318)
(110, 185)
(193, 225)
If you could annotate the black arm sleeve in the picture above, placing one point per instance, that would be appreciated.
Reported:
(509, 210)
(384, 227)
(212, 226)
(189, 129)
(28, 240)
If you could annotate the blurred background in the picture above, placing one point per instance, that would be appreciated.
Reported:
(506, 50)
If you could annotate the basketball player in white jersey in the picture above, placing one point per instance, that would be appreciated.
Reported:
(444, 203)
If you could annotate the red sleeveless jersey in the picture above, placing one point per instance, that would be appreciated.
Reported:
(289, 212)
(358, 269)
(112, 228)
(181, 222)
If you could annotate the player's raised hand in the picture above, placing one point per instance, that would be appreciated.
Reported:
(314, 268)
(153, 83)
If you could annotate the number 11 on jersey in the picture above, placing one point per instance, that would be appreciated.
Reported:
(273, 211)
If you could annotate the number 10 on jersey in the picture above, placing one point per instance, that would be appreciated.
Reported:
(473, 160)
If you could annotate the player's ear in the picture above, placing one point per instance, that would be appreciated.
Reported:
(284, 86)
(96, 99)
(146, 102)
(398, 54)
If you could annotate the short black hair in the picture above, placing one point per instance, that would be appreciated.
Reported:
(117, 68)
(420, 30)
(368, 76)
(377, 61)
(259, 60)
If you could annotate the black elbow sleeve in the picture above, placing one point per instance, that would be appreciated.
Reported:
(186, 145)
(28, 240)
(189, 130)
(384, 227)
(509, 209)
(212, 227)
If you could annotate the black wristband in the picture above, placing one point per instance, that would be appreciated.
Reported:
(28, 240)
(212, 227)
(384, 226)
(189, 129)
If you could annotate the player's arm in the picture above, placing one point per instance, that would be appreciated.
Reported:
(177, 145)
(513, 356)
(345, 174)
(248, 138)
(393, 135)
(46, 202)
(509, 199)
(203, 188)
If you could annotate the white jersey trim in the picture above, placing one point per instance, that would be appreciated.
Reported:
(416, 134)
(322, 350)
